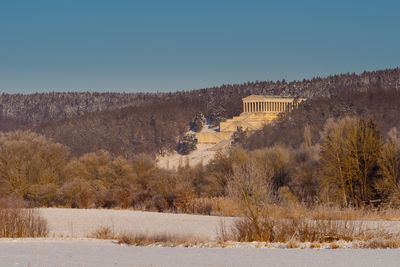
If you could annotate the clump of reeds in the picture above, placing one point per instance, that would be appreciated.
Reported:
(17, 220)
(295, 228)
(104, 232)
(146, 239)
(164, 239)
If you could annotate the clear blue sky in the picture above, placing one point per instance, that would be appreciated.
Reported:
(71, 45)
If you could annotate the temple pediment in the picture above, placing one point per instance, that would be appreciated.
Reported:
(253, 97)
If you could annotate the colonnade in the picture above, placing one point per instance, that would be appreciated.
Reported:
(267, 106)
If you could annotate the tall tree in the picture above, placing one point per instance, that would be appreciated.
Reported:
(350, 150)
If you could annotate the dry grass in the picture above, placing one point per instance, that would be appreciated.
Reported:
(379, 242)
(224, 206)
(331, 212)
(296, 229)
(221, 206)
(163, 239)
(104, 232)
(17, 221)
(294, 226)
(146, 239)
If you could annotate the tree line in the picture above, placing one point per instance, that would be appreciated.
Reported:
(351, 165)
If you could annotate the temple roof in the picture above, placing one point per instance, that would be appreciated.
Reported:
(261, 97)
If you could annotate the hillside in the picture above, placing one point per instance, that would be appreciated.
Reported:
(152, 128)
(382, 106)
(37, 108)
(129, 124)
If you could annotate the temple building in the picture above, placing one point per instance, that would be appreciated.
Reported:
(258, 110)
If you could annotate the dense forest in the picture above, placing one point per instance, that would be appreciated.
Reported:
(130, 124)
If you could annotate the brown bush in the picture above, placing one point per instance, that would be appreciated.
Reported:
(165, 239)
(31, 165)
(16, 220)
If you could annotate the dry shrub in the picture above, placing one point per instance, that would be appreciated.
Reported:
(184, 197)
(223, 233)
(165, 239)
(293, 244)
(104, 232)
(333, 212)
(221, 206)
(16, 220)
(299, 228)
(124, 198)
(334, 246)
(379, 242)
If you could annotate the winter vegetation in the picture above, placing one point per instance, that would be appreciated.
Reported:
(130, 124)
(312, 177)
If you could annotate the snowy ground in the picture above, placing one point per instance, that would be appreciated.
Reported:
(61, 250)
(79, 223)
(202, 155)
(74, 252)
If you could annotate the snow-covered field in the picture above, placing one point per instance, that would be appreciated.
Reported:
(68, 245)
(79, 223)
(75, 252)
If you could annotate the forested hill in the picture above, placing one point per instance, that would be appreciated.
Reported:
(130, 124)
(17, 110)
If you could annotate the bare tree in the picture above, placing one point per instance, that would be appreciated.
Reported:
(250, 187)
(389, 164)
(350, 150)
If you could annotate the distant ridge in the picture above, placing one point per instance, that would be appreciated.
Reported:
(33, 109)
